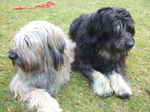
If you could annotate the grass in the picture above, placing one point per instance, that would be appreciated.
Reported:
(77, 96)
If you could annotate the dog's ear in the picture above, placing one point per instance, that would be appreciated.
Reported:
(57, 56)
(96, 22)
(56, 45)
(100, 23)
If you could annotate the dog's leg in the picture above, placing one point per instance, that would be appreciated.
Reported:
(36, 98)
(42, 101)
(99, 82)
(119, 85)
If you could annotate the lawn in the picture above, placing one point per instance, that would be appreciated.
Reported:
(77, 96)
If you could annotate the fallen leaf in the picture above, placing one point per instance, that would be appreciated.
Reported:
(147, 91)
(9, 110)
(78, 103)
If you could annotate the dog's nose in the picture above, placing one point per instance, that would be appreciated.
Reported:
(13, 55)
(130, 44)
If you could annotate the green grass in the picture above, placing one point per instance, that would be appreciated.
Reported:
(77, 96)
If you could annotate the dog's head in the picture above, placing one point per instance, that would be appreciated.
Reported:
(36, 49)
(112, 28)
(26, 53)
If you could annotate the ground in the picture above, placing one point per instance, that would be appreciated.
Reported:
(77, 96)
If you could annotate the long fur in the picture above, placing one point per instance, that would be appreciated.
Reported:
(42, 55)
(103, 39)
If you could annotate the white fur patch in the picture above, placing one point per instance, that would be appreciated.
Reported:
(119, 85)
(42, 101)
(17, 87)
(101, 84)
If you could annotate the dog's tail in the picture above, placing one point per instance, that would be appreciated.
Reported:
(42, 101)
(70, 49)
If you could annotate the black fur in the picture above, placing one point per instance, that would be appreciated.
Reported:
(103, 40)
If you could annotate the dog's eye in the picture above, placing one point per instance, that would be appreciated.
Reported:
(27, 43)
(131, 30)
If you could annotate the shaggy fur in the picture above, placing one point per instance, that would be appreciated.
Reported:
(103, 39)
(42, 55)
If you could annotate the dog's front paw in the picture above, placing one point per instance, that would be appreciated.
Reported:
(122, 91)
(120, 86)
(50, 109)
(42, 101)
(50, 105)
(101, 85)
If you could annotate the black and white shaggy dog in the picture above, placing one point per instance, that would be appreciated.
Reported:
(103, 39)
(42, 56)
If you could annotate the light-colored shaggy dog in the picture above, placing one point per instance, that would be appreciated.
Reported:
(42, 55)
